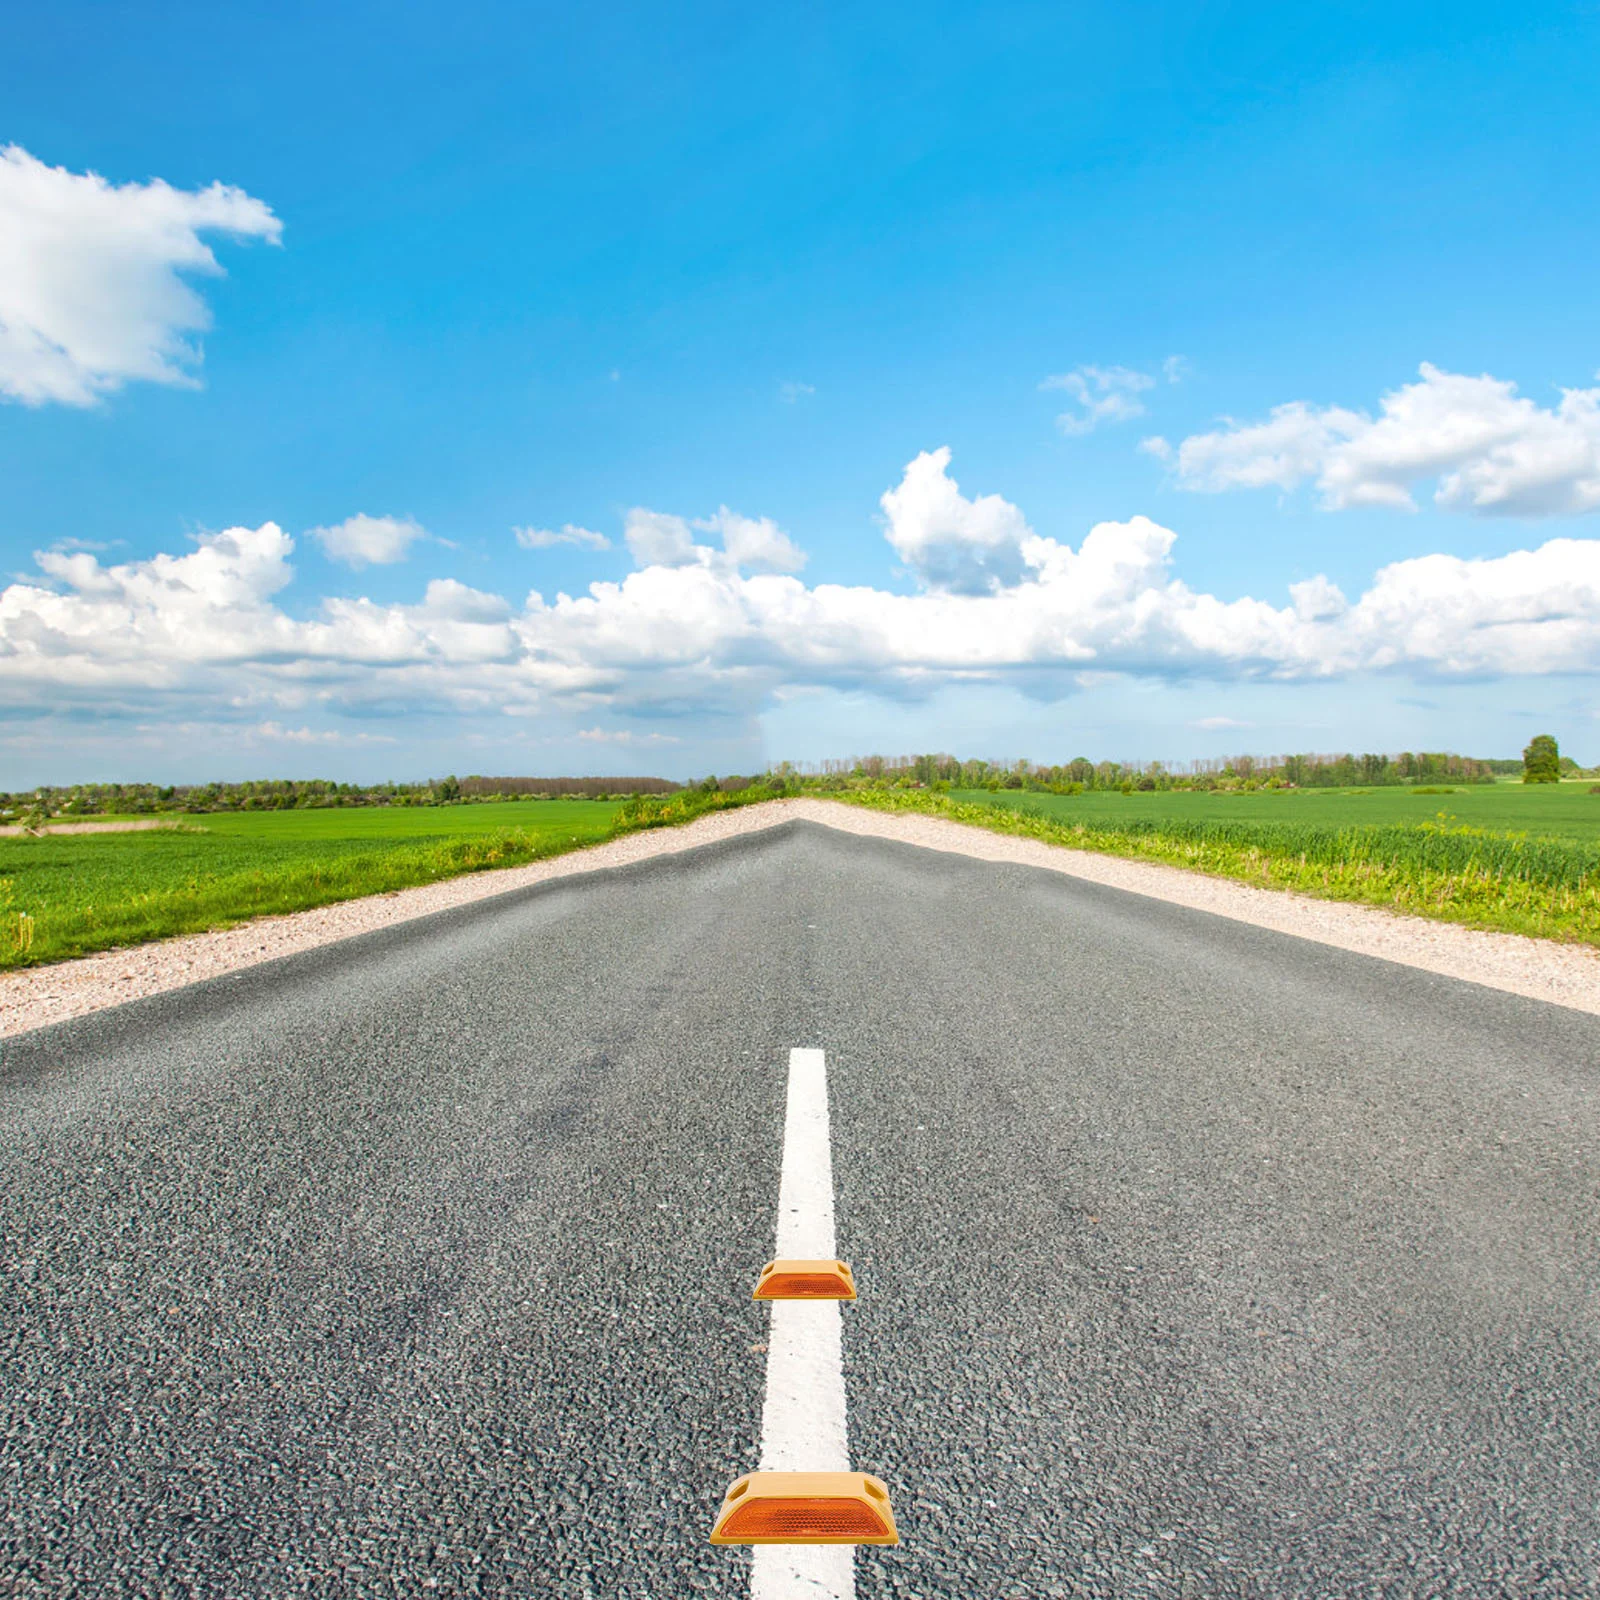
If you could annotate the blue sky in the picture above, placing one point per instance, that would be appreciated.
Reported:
(1309, 290)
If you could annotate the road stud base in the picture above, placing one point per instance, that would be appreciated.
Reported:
(806, 1508)
(805, 1280)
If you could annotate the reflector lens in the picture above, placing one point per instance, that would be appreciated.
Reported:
(798, 1520)
(806, 1508)
(805, 1280)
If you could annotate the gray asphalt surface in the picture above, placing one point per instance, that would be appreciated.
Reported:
(1194, 1259)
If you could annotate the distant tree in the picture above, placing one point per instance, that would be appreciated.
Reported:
(1541, 761)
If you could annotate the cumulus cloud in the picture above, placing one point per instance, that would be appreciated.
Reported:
(757, 543)
(1486, 448)
(702, 635)
(1317, 599)
(658, 539)
(568, 533)
(950, 542)
(92, 287)
(363, 541)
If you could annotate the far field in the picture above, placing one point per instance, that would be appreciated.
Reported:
(71, 894)
(1548, 810)
(1519, 858)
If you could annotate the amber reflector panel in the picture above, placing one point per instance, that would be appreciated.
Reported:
(805, 1280)
(806, 1508)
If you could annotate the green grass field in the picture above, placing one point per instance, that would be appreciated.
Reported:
(1518, 858)
(69, 894)
(1549, 810)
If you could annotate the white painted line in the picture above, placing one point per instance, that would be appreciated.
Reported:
(803, 1420)
(805, 1193)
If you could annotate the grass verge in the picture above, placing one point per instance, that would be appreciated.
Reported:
(1509, 882)
(68, 895)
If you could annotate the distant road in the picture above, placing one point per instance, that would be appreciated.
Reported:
(1194, 1259)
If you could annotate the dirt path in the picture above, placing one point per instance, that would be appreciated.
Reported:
(141, 826)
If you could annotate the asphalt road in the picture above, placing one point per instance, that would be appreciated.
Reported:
(1194, 1259)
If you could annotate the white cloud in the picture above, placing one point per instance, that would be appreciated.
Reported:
(1175, 369)
(363, 541)
(1317, 599)
(626, 736)
(176, 636)
(1103, 394)
(754, 542)
(91, 288)
(790, 391)
(569, 533)
(1487, 449)
(950, 542)
(334, 736)
(97, 545)
(447, 600)
(658, 539)
(1216, 724)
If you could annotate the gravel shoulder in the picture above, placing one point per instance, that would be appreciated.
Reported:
(1559, 974)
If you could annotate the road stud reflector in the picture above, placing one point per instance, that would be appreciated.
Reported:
(806, 1508)
(805, 1280)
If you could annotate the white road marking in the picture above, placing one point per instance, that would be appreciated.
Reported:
(803, 1420)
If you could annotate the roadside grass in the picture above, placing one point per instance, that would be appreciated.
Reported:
(1546, 885)
(67, 895)
(668, 810)
(72, 894)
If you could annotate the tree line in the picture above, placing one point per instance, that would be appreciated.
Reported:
(300, 794)
(1542, 763)
(1306, 771)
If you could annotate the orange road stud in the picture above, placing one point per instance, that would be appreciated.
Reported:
(805, 1280)
(806, 1508)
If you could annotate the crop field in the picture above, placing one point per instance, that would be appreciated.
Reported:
(1519, 858)
(69, 894)
(1549, 810)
